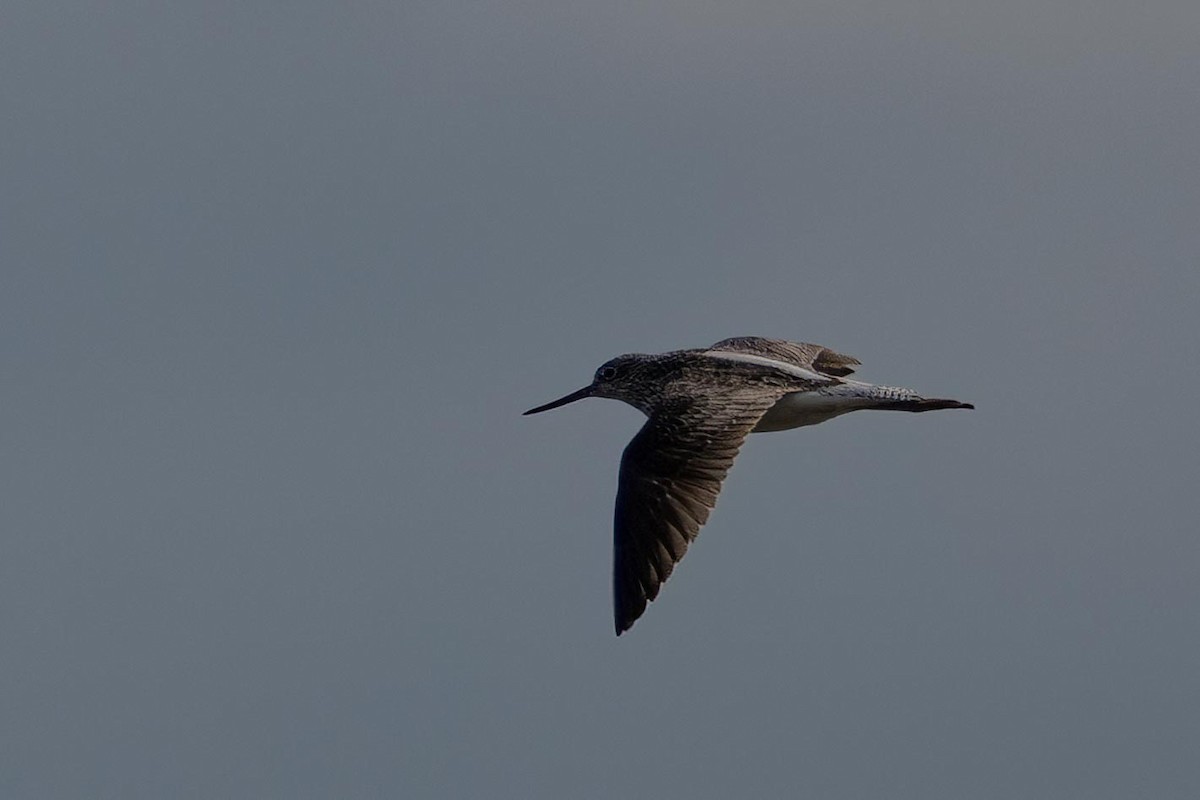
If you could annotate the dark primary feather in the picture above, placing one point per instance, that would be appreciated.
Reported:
(671, 473)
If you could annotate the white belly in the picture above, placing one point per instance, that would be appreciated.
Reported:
(805, 408)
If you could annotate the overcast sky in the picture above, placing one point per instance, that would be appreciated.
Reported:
(277, 280)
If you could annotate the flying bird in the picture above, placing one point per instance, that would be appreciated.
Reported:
(700, 405)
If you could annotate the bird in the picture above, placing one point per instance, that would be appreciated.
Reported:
(700, 405)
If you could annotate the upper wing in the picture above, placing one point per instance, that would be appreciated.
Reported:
(809, 356)
(671, 473)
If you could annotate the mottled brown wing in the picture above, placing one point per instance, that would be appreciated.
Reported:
(671, 473)
(802, 354)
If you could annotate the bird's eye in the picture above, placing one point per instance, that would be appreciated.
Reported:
(607, 373)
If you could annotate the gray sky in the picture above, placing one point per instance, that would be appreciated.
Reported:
(278, 280)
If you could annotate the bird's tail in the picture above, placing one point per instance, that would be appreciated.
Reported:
(919, 404)
(893, 398)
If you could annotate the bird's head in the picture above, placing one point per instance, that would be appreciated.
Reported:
(622, 378)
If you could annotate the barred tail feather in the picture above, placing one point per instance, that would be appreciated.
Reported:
(919, 404)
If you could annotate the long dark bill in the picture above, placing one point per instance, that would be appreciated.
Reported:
(562, 401)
